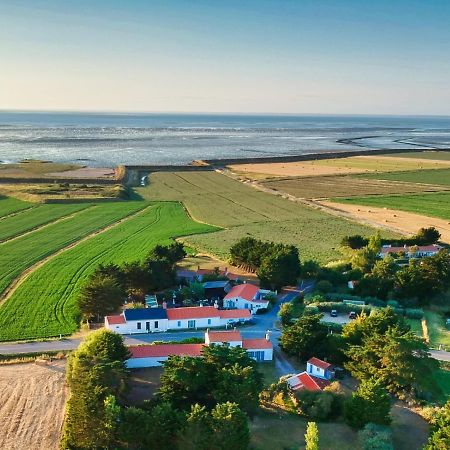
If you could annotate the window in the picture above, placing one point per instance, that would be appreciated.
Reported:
(209, 321)
(179, 323)
(156, 324)
(191, 323)
(147, 326)
(138, 325)
(246, 306)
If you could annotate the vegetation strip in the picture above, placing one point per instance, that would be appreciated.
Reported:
(10, 206)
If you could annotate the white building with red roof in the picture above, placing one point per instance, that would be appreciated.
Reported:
(153, 355)
(316, 377)
(246, 296)
(417, 251)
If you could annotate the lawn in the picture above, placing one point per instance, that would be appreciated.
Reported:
(416, 326)
(430, 176)
(44, 305)
(19, 254)
(442, 378)
(439, 334)
(244, 211)
(344, 185)
(9, 205)
(32, 218)
(431, 204)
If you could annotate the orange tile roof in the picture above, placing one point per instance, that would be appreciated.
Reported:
(319, 363)
(246, 291)
(192, 312)
(234, 314)
(164, 350)
(306, 381)
(116, 320)
(224, 336)
(256, 343)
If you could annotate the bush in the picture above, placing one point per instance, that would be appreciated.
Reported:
(318, 405)
(340, 307)
(312, 309)
(392, 303)
(324, 286)
(412, 313)
(375, 437)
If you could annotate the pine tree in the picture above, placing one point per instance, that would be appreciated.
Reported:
(312, 436)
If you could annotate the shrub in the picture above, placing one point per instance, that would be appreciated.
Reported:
(312, 309)
(412, 313)
(393, 303)
(318, 405)
(375, 437)
(324, 286)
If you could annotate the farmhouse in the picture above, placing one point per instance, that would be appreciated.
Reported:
(246, 296)
(152, 355)
(416, 251)
(316, 377)
(150, 320)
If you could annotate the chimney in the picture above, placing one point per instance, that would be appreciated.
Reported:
(267, 336)
(164, 305)
(216, 305)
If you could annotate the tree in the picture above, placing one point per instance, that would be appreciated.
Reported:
(305, 338)
(136, 281)
(197, 434)
(440, 431)
(354, 242)
(375, 437)
(230, 428)
(316, 405)
(427, 236)
(172, 253)
(100, 296)
(312, 436)
(286, 314)
(369, 403)
(195, 291)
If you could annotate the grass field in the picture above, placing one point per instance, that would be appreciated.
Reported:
(19, 254)
(341, 186)
(244, 211)
(416, 326)
(442, 378)
(44, 304)
(426, 154)
(430, 204)
(9, 205)
(439, 334)
(429, 176)
(32, 218)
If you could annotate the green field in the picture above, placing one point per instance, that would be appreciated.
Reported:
(9, 205)
(430, 204)
(439, 334)
(416, 326)
(244, 211)
(442, 378)
(430, 176)
(32, 218)
(44, 305)
(19, 254)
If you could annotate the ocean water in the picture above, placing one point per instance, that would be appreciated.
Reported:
(111, 139)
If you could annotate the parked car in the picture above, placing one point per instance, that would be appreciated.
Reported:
(333, 313)
(352, 315)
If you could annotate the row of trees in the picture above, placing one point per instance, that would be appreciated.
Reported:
(276, 265)
(107, 288)
(202, 403)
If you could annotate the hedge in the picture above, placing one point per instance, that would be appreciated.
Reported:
(414, 313)
(339, 307)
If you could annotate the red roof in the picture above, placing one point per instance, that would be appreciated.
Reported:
(246, 291)
(234, 314)
(192, 312)
(256, 344)
(224, 336)
(319, 363)
(420, 248)
(116, 320)
(306, 381)
(165, 350)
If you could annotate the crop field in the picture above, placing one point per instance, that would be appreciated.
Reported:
(244, 211)
(429, 176)
(426, 154)
(337, 186)
(19, 254)
(432, 204)
(44, 304)
(35, 217)
(9, 205)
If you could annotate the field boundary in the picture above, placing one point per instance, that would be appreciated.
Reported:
(9, 291)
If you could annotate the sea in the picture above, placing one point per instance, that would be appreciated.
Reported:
(106, 140)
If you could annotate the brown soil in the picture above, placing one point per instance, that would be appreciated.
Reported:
(405, 222)
(400, 160)
(86, 172)
(32, 399)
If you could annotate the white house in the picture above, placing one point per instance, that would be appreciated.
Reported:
(151, 355)
(316, 377)
(150, 320)
(419, 251)
(246, 296)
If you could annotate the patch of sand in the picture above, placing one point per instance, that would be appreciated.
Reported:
(32, 400)
(405, 222)
(401, 160)
(86, 172)
(292, 169)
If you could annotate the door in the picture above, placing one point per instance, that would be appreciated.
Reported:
(191, 323)
(147, 326)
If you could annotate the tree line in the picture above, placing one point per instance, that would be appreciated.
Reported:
(276, 265)
(108, 287)
(202, 403)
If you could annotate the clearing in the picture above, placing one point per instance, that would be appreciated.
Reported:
(32, 399)
(242, 210)
(44, 304)
(400, 221)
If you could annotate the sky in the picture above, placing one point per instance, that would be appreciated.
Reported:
(246, 56)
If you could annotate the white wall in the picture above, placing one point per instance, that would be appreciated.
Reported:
(268, 353)
(240, 303)
(137, 363)
(314, 370)
(131, 326)
(199, 323)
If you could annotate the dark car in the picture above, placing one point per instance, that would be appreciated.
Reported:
(333, 313)
(352, 315)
